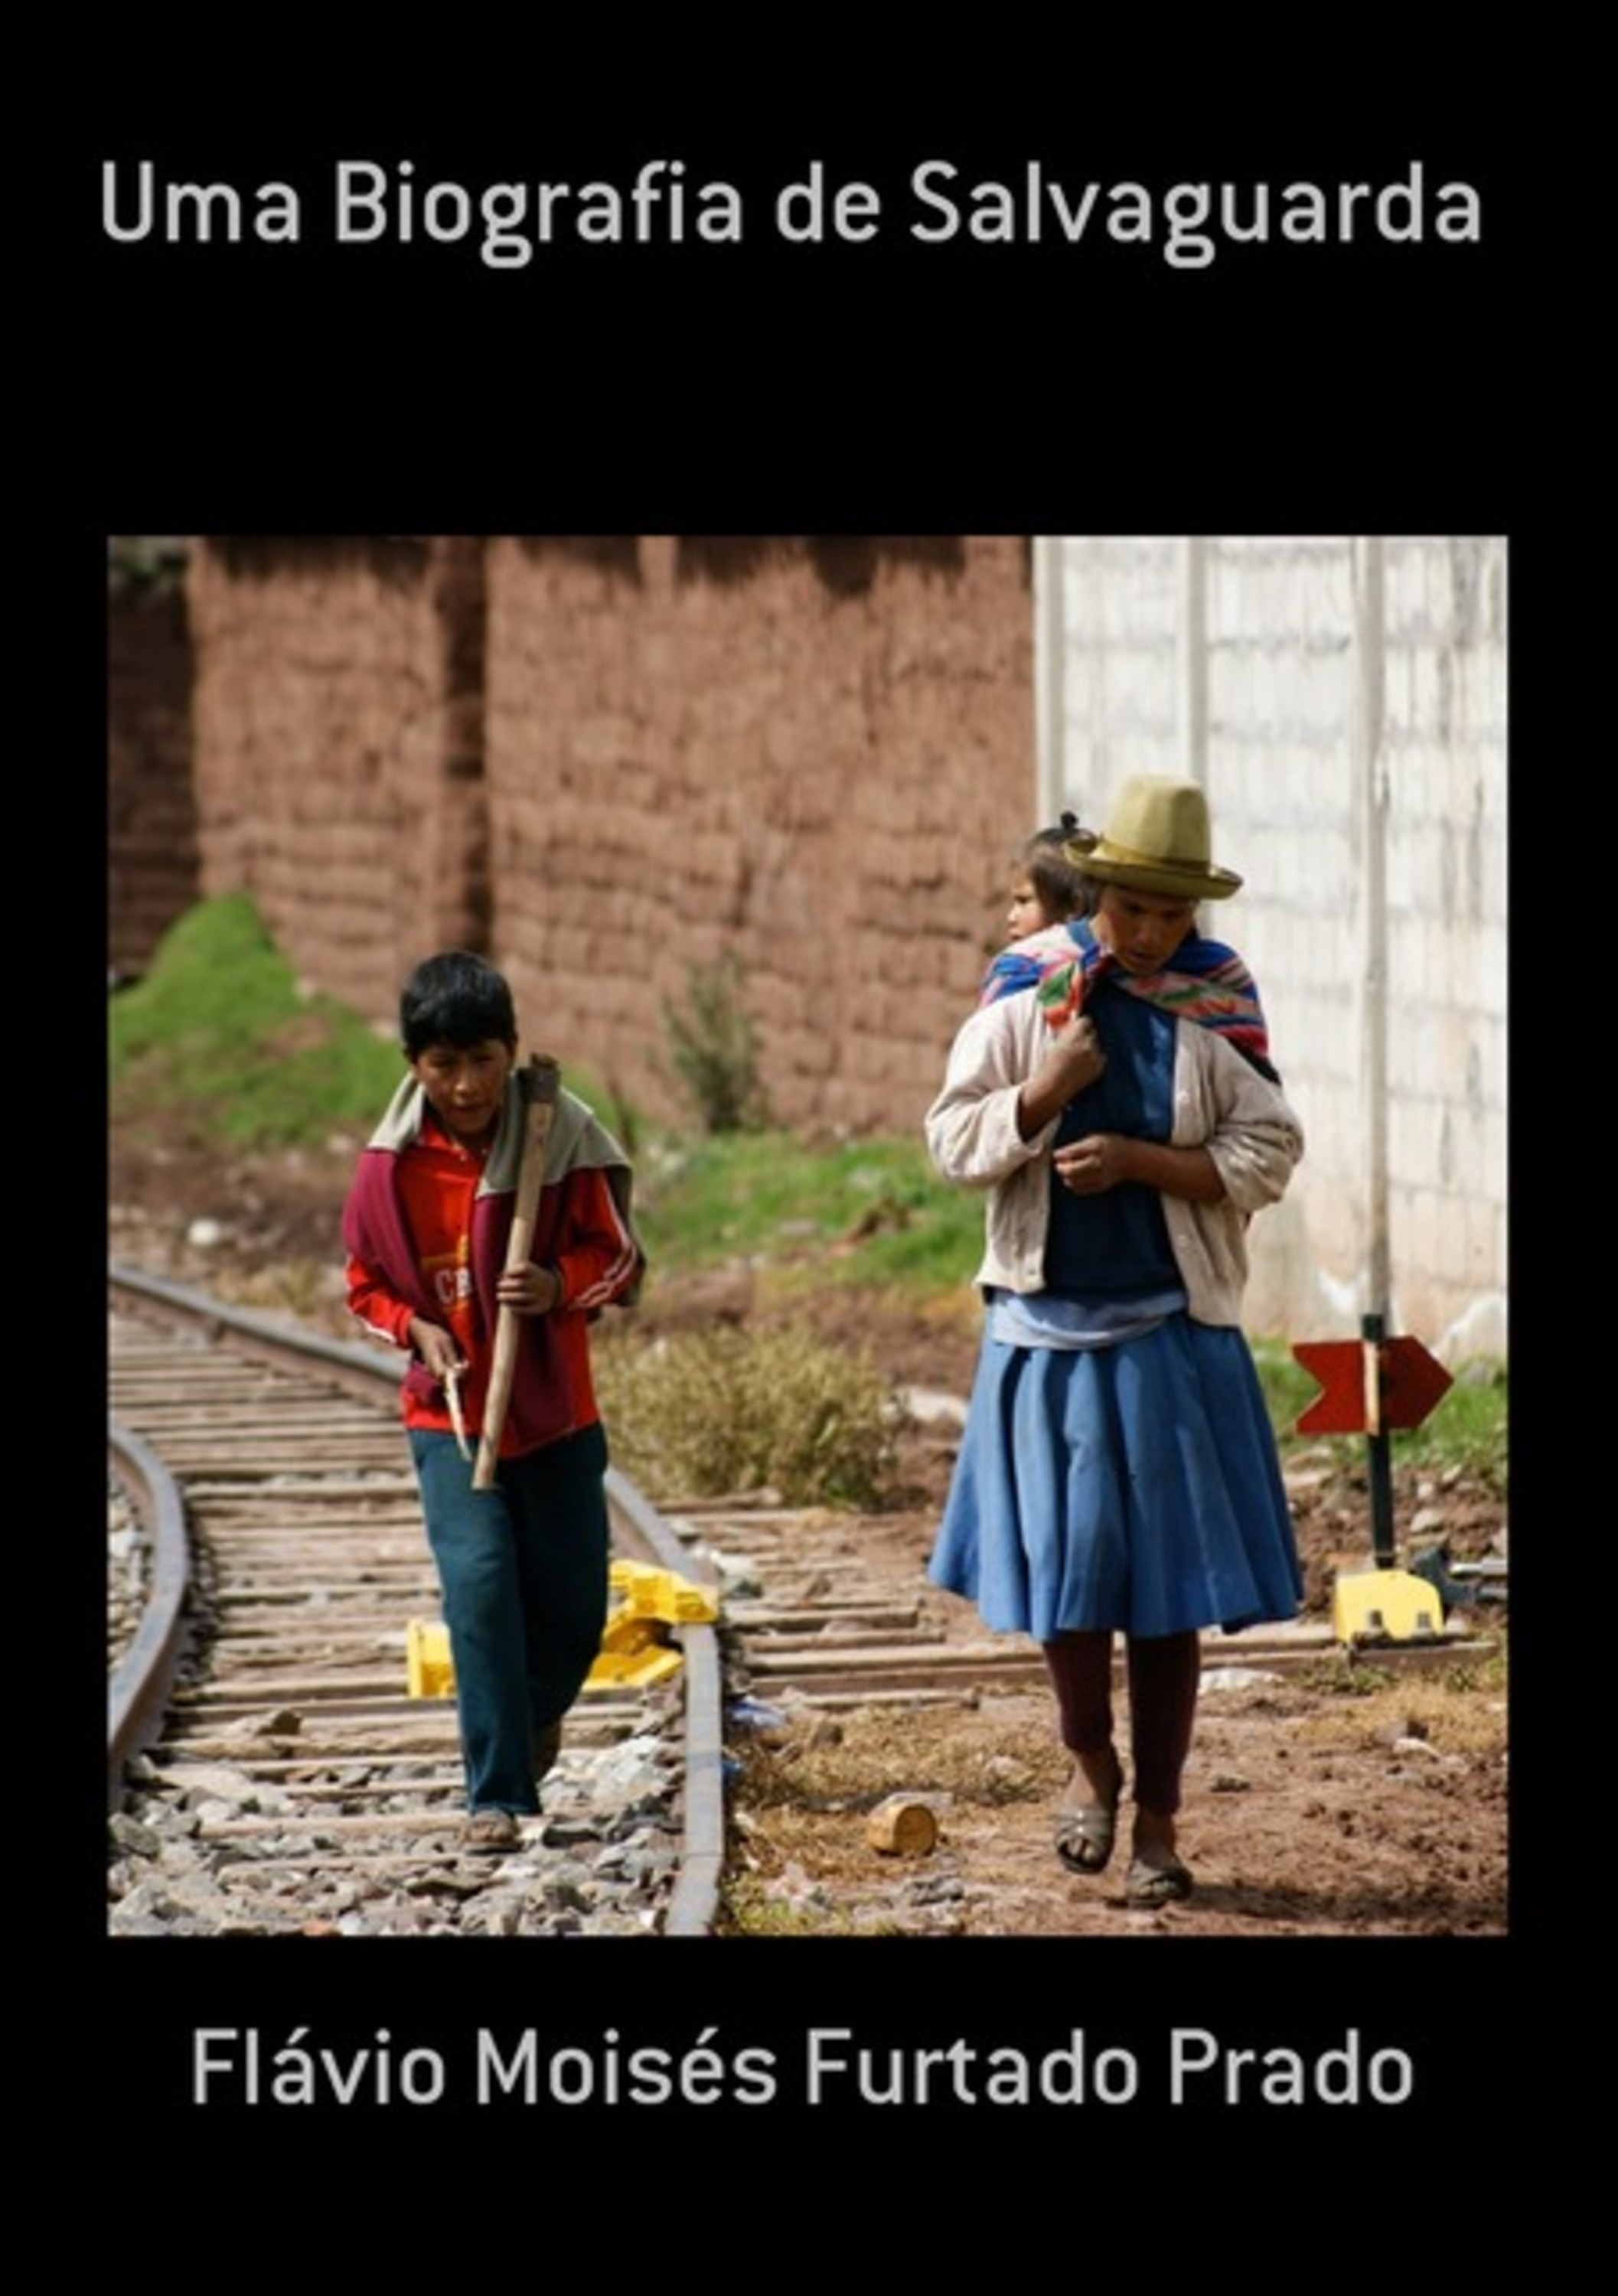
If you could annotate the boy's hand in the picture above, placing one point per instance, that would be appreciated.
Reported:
(436, 1347)
(528, 1290)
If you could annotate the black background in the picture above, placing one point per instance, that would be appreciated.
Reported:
(890, 388)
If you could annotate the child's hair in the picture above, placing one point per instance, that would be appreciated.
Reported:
(456, 999)
(1059, 887)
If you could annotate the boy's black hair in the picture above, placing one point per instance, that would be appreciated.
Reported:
(455, 998)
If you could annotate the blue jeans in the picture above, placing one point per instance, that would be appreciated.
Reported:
(522, 1569)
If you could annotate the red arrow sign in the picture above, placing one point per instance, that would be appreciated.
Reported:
(1367, 1388)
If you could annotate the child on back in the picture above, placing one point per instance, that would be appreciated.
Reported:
(1052, 949)
(523, 1565)
(1046, 888)
(1046, 894)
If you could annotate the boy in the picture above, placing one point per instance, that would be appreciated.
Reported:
(523, 1566)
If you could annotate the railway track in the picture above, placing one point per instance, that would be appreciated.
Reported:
(268, 1769)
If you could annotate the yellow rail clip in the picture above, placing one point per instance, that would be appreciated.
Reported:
(633, 1651)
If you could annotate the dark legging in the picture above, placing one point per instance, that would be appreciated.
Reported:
(1163, 1671)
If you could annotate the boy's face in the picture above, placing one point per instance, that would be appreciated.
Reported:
(465, 1085)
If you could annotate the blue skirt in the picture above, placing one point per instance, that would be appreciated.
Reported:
(1133, 1487)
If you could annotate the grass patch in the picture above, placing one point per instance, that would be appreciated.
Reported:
(858, 1212)
(851, 1767)
(1463, 1712)
(220, 1030)
(1468, 1429)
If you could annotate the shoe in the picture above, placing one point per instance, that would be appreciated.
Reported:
(491, 1831)
(547, 1748)
(1084, 1832)
(1156, 1885)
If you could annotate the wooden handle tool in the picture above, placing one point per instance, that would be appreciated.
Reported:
(540, 1086)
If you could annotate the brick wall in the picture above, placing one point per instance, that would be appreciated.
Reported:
(151, 856)
(339, 747)
(813, 757)
(605, 761)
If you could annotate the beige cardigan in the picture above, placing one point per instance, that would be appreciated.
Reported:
(1220, 1103)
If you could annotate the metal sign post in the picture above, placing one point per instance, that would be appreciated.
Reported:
(1370, 1386)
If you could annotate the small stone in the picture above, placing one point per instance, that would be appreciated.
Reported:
(1422, 1745)
(131, 1836)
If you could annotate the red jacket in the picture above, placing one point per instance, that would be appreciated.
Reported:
(426, 1227)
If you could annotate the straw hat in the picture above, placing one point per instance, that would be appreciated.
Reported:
(1156, 840)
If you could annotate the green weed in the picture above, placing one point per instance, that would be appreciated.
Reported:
(731, 1411)
(715, 1050)
(748, 1909)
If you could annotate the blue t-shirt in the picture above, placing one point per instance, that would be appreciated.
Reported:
(1114, 1247)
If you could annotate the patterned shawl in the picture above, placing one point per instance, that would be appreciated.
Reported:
(1208, 982)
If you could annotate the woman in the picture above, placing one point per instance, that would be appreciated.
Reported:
(1117, 1471)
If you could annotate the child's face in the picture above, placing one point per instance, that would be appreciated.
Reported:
(1027, 912)
(1142, 929)
(465, 1085)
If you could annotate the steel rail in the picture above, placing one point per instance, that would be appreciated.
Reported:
(139, 1690)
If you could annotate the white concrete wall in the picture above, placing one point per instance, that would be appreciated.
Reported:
(1356, 770)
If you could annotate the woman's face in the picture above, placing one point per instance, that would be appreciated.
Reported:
(1142, 929)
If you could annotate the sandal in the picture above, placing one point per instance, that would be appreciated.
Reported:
(1086, 1831)
(1156, 1885)
(1085, 1836)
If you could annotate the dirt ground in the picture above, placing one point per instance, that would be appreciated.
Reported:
(1322, 1798)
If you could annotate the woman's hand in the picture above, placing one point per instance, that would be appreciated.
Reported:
(1105, 1159)
(1099, 1161)
(528, 1290)
(1073, 1059)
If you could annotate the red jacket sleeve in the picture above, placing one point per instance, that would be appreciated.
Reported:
(591, 1248)
(379, 1309)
